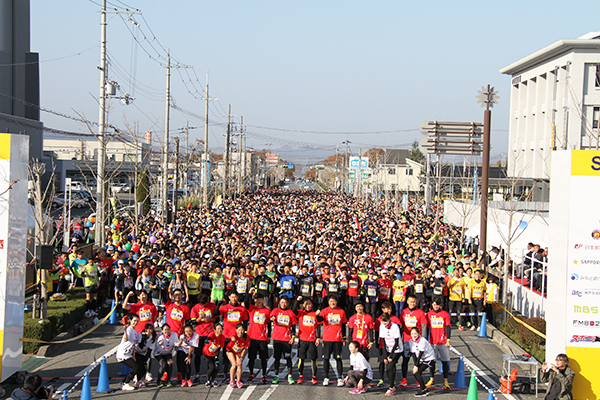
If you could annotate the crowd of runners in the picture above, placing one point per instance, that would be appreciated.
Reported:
(319, 271)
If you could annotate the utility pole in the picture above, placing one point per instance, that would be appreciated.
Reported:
(227, 150)
(165, 172)
(360, 174)
(205, 160)
(239, 185)
(175, 174)
(347, 165)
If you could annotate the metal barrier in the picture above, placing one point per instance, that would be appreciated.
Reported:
(532, 262)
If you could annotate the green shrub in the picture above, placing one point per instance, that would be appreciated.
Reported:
(531, 342)
(530, 338)
(61, 316)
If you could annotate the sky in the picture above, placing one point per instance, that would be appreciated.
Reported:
(316, 71)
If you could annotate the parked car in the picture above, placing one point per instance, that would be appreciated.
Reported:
(121, 188)
(78, 200)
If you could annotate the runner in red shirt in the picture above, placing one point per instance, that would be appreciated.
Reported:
(283, 319)
(177, 313)
(334, 337)
(232, 314)
(146, 311)
(411, 317)
(259, 336)
(354, 286)
(385, 288)
(216, 341)
(361, 326)
(439, 337)
(204, 314)
(308, 339)
(236, 349)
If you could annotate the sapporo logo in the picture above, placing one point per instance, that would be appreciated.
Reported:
(586, 309)
(596, 234)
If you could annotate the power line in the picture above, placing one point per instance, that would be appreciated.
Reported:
(51, 59)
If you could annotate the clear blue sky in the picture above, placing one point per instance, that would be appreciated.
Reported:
(342, 66)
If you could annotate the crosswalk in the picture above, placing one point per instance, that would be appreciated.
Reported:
(230, 393)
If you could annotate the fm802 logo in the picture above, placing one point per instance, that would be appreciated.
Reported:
(591, 324)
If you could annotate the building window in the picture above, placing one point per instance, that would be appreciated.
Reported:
(409, 171)
(595, 117)
(597, 80)
(391, 171)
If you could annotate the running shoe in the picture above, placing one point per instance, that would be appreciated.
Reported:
(473, 328)
(164, 377)
(430, 382)
(404, 383)
(363, 390)
(300, 380)
(148, 377)
(275, 380)
(183, 383)
(314, 380)
(380, 383)
(290, 380)
(264, 380)
(421, 393)
(128, 386)
(240, 384)
(142, 384)
(340, 382)
(189, 383)
(326, 382)
(251, 378)
(461, 328)
(231, 384)
(169, 384)
(207, 384)
(446, 385)
(355, 391)
(391, 391)
(160, 384)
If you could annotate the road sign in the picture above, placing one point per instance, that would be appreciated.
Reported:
(364, 174)
(451, 137)
(354, 162)
(484, 97)
(290, 165)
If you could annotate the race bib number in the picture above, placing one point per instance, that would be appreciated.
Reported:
(333, 288)
(438, 290)
(176, 315)
(242, 287)
(477, 292)
(205, 285)
(259, 318)
(213, 348)
(193, 285)
(343, 285)
(371, 292)
(308, 320)
(457, 290)
(233, 316)
(334, 319)
(410, 321)
(145, 315)
(283, 320)
(237, 349)
(437, 323)
(419, 288)
(287, 285)
(359, 334)
(383, 291)
(263, 286)
(219, 285)
(353, 284)
(319, 287)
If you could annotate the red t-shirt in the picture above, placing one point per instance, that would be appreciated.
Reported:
(307, 325)
(146, 312)
(393, 318)
(259, 323)
(385, 285)
(176, 316)
(237, 344)
(411, 319)
(282, 324)
(332, 324)
(232, 315)
(206, 311)
(354, 285)
(360, 324)
(214, 344)
(437, 325)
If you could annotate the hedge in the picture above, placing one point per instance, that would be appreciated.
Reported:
(61, 316)
(531, 342)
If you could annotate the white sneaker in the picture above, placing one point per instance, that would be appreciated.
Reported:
(340, 382)
(127, 386)
(326, 382)
(148, 377)
(473, 328)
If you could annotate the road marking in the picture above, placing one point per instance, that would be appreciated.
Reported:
(93, 365)
(247, 393)
(227, 393)
(268, 393)
(60, 389)
(482, 374)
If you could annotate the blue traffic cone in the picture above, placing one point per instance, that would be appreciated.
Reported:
(459, 379)
(124, 370)
(483, 327)
(103, 384)
(491, 395)
(86, 389)
(64, 395)
(113, 320)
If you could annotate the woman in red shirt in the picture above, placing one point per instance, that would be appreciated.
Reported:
(236, 349)
(216, 341)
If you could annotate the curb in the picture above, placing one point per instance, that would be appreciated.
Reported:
(503, 341)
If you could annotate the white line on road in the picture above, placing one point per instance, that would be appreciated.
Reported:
(247, 393)
(268, 393)
(227, 393)
(93, 365)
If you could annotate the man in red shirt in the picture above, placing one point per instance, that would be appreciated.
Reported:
(334, 337)
(177, 313)
(204, 314)
(283, 319)
(146, 311)
(439, 338)
(385, 288)
(308, 339)
(411, 317)
(361, 325)
(354, 286)
(258, 334)
(232, 314)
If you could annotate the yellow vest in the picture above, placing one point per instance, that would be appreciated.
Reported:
(477, 289)
(456, 288)
(492, 293)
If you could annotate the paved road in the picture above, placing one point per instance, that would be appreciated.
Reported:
(297, 185)
(62, 371)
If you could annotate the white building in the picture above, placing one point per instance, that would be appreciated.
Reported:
(554, 104)
(118, 151)
(396, 174)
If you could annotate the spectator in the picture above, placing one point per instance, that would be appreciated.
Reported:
(32, 390)
(559, 377)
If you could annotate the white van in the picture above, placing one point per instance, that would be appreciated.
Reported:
(76, 185)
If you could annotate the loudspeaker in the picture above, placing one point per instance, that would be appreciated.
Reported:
(45, 254)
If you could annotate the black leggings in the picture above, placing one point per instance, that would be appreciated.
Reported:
(211, 370)
(198, 353)
(164, 366)
(313, 367)
(281, 348)
(136, 370)
(419, 374)
(334, 348)
(391, 369)
(183, 368)
(258, 347)
(371, 309)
